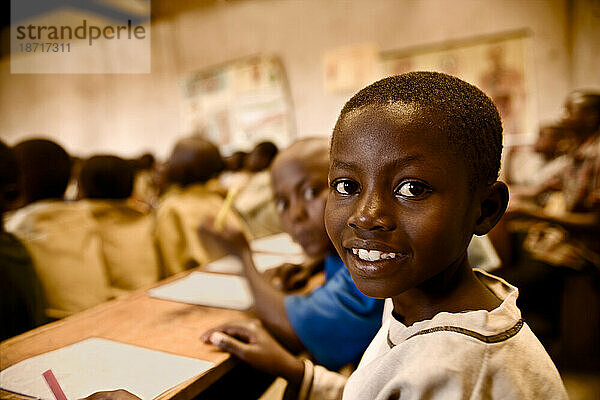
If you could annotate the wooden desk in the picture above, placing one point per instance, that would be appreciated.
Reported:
(138, 320)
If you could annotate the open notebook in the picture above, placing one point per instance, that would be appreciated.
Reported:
(99, 364)
(207, 289)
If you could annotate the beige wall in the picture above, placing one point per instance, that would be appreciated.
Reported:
(127, 114)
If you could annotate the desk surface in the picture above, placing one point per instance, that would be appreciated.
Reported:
(138, 320)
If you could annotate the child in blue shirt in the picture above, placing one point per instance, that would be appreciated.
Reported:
(299, 181)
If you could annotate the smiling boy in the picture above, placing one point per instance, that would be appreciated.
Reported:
(414, 163)
(413, 176)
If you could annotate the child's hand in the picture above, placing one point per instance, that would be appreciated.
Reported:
(289, 276)
(250, 342)
(112, 395)
(230, 240)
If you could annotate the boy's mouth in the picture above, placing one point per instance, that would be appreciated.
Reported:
(373, 255)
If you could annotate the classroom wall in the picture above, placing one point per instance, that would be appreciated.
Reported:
(127, 114)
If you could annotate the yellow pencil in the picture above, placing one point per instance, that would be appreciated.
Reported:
(220, 219)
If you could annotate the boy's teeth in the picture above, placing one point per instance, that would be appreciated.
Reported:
(372, 255)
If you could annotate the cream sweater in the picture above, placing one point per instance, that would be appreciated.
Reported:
(471, 355)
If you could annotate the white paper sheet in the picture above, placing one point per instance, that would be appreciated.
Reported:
(208, 289)
(281, 243)
(97, 364)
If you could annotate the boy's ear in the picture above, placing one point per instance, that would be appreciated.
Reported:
(493, 206)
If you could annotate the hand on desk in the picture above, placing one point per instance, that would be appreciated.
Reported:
(112, 395)
(250, 342)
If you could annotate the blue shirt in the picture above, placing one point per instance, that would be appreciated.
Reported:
(336, 322)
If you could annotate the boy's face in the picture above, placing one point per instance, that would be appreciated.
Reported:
(300, 188)
(400, 210)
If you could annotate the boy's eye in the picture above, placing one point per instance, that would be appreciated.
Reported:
(280, 205)
(310, 193)
(412, 189)
(345, 186)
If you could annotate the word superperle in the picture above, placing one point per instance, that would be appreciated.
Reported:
(84, 31)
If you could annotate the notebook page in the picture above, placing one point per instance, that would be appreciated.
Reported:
(97, 364)
(207, 289)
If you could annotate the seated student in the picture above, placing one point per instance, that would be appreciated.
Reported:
(127, 233)
(571, 220)
(413, 175)
(254, 200)
(22, 301)
(299, 180)
(548, 160)
(61, 236)
(531, 173)
(191, 197)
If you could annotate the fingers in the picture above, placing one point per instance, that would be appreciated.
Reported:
(229, 344)
(112, 395)
(244, 330)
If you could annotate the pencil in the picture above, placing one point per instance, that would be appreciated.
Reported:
(220, 219)
(54, 386)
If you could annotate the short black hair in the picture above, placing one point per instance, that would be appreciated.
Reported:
(261, 156)
(9, 176)
(9, 168)
(107, 177)
(468, 117)
(235, 161)
(193, 160)
(45, 169)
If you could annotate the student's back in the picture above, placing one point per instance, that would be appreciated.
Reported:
(191, 198)
(61, 236)
(127, 233)
(22, 301)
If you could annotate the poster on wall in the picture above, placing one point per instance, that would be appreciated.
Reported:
(240, 103)
(498, 65)
(348, 68)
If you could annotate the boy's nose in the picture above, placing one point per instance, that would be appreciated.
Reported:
(372, 214)
(297, 210)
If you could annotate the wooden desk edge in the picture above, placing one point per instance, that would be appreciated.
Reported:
(186, 390)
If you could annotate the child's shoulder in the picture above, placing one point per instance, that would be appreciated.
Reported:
(478, 352)
(449, 361)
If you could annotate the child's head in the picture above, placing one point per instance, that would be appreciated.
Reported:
(414, 163)
(582, 112)
(45, 168)
(299, 181)
(106, 177)
(9, 179)
(144, 162)
(549, 140)
(260, 157)
(235, 162)
(193, 160)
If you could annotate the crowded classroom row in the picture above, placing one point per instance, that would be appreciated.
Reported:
(385, 209)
